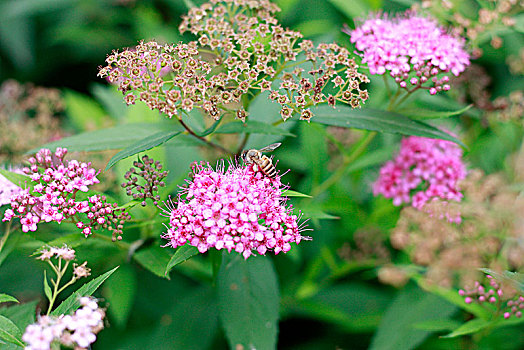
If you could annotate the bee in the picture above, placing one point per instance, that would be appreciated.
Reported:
(263, 162)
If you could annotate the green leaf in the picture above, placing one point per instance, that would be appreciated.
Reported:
(19, 180)
(514, 278)
(437, 325)
(189, 4)
(112, 138)
(248, 301)
(251, 127)
(71, 304)
(182, 254)
(377, 120)
(411, 306)
(47, 289)
(120, 291)
(291, 193)
(209, 130)
(10, 332)
(352, 9)
(153, 259)
(142, 145)
(83, 111)
(5, 298)
(21, 315)
(371, 159)
(356, 307)
(421, 114)
(472, 326)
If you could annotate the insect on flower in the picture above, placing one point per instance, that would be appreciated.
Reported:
(263, 163)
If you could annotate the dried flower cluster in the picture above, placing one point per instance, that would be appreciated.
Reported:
(67, 254)
(510, 108)
(414, 50)
(153, 176)
(424, 169)
(369, 243)
(78, 330)
(476, 25)
(241, 48)
(494, 294)
(236, 209)
(30, 111)
(56, 185)
(491, 233)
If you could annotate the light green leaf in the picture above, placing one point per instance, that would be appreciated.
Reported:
(437, 325)
(209, 130)
(5, 298)
(248, 301)
(371, 159)
(153, 259)
(291, 193)
(377, 120)
(182, 254)
(514, 278)
(47, 289)
(353, 8)
(112, 138)
(111, 99)
(71, 304)
(472, 326)
(19, 180)
(83, 111)
(142, 145)
(421, 114)
(251, 127)
(411, 306)
(9, 332)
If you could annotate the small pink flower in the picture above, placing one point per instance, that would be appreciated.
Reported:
(235, 209)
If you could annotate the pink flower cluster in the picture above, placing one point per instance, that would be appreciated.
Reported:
(57, 184)
(236, 209)
(414, 50)
(493, 295)
(78, 330)
(423, 169)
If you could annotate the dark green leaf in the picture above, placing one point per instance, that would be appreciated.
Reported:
(248, 301)
(251, 127)
(153, 259)
(421, 114)
(377, 120)
(47, 289)
(111, 138)
(291, 193)
(472, 326)
(142, 145)
(182, 254)
(353, 306)
(9, 332)
(119, 291)
(71, 304)
(20, 314)
(4, 298)
(411, 306)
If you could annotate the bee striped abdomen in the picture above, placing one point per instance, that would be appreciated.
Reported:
(267, 167)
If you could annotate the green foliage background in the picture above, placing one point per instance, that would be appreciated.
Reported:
(324, 302)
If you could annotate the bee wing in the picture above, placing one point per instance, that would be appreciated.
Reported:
(270, 148)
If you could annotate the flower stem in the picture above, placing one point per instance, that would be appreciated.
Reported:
(209, 143)
(5, 236)
(337, 175)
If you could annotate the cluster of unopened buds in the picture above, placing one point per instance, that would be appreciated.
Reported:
(413, 49)
(153, 176)
(423, 169)
(53, 196)
(78, 330)
(240, 48)
(235, 209)
(493, 294)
